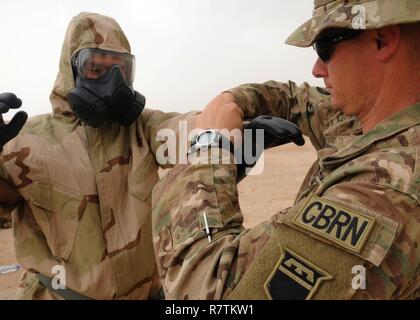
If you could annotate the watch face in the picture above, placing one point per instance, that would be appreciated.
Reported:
(206, 138)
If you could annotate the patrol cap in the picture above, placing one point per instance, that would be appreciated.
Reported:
(354, 14)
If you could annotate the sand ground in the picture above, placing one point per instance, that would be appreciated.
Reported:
(260, 196)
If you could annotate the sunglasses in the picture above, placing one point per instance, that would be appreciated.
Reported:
(325, 46)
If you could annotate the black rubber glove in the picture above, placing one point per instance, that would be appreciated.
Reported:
(277, 131)
(10, 130)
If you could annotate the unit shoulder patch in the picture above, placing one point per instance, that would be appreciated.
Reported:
(294, 278)
(335, 222)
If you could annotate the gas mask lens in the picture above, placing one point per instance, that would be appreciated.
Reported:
(92, 64)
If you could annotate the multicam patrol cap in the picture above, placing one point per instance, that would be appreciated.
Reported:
(354, 14)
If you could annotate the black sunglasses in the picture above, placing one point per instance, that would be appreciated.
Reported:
(325, 46)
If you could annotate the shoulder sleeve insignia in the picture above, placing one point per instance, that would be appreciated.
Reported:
(335, 222)
(294, 278)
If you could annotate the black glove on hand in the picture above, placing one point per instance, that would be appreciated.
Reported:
(10, 130)
(277, 132)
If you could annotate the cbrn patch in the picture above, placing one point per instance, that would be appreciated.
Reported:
(294, 278)
(335, 222)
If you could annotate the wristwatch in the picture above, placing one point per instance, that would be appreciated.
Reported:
(210, 139)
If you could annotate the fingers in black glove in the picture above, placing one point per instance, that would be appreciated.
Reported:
(12, 129)
(16, 124)
(3, 108)
(10, 100)
(277, 131)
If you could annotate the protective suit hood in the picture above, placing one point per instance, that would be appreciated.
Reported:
(86, 30)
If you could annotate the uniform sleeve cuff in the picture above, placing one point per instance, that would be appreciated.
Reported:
(241, 100)
(212, 156)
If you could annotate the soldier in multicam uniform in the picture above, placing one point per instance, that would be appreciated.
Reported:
(354, 230)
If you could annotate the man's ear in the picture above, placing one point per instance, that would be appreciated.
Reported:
(388, 40)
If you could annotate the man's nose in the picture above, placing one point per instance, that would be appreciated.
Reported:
(320, 69)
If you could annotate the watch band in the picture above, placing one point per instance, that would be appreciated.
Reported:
(218, 141)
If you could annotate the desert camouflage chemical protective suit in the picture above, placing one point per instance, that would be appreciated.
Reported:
(81, 196)
(356, 217)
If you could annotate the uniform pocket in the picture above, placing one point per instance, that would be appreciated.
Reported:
(143, 189)
(58, 213)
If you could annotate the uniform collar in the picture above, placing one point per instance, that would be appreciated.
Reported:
(391, 126)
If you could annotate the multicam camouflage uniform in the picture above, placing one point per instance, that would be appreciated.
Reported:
(356, 214)
(81, 195)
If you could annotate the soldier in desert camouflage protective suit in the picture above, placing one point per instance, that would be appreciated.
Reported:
(81, 195)
(358, 209)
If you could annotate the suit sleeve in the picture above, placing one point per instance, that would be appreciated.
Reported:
(167, 134)
(308, 107)
(9, 196)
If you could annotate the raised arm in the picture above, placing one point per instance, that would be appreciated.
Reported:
(308, 107)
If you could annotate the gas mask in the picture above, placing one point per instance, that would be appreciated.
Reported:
(103, 93)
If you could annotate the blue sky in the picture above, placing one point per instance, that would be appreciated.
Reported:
(187, 51)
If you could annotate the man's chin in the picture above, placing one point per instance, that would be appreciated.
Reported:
(337, 104)
(341, 107)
